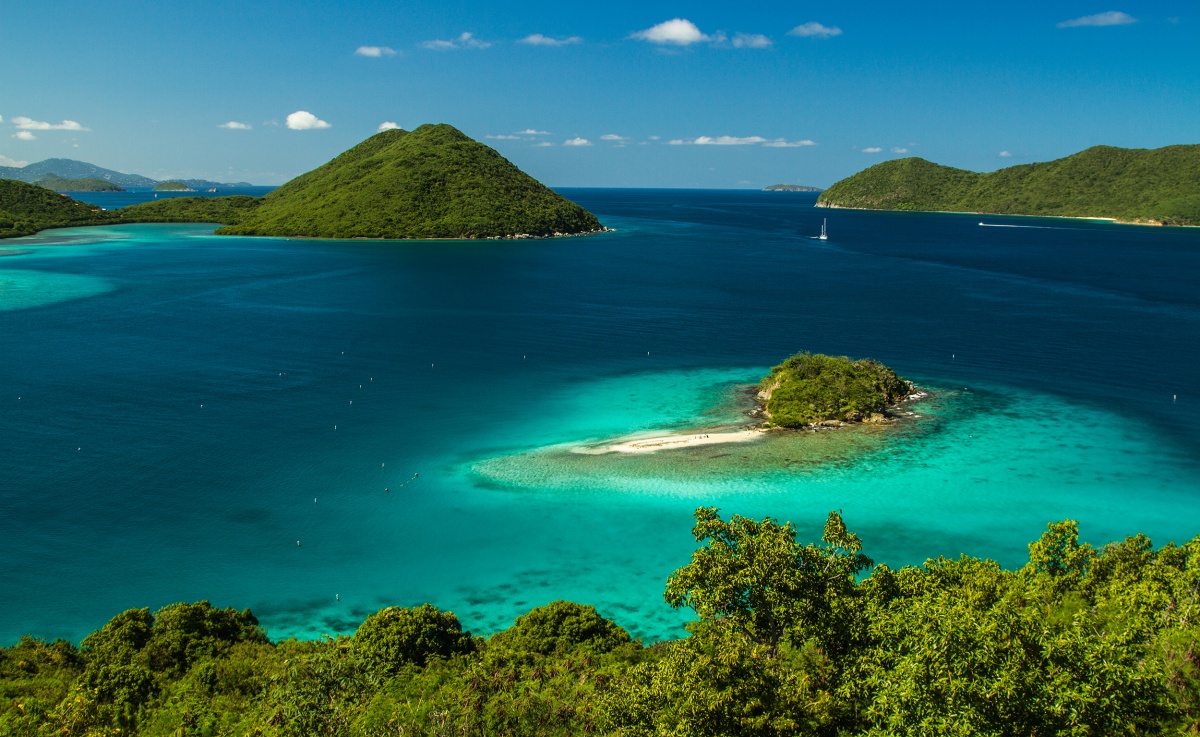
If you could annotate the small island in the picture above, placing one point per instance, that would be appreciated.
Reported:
(815, 390)
(808, 391)
(790, 188)
(172, 186)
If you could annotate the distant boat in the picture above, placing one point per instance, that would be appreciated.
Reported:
(823, 236)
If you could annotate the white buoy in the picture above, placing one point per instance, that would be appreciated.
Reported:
(297, 543)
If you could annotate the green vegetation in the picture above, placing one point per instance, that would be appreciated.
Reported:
(223, 210)
(433, 182)
(62, 184)
(1137, 185)
(27, 208)
(172, 186)
(790, 639)
(809, 388)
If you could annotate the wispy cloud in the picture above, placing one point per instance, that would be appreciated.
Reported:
(813, 29)
(739, 141)
(899, 150)
(233, 125)
(675, 32)
(537, 39)
(302, 120)
(614, 137)
(783, 143)
(24, 136)
(872, 150)
(464, 41)
(725, 141)
(751, 41)
(1111, 18)
(504, 138)
(1005, 154)
(374, 52)
(543, 144)
(29, 124)
(577, 142)
(532, 132)
(387, 125)
(5, 161)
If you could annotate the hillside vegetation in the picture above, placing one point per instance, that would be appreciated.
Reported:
(788, 640)
(1135, 185)
(27, 208)
(809, 388)
(224, 210)
(433, 182)
(86, 184)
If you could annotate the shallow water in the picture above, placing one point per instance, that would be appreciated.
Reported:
(179, 394)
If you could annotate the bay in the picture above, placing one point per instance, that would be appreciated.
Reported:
(167, 428)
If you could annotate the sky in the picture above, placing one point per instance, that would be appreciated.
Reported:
(614, 94)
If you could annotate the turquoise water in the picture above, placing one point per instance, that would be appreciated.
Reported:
(171, 399)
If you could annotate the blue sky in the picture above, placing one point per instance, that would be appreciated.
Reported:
(649, 94)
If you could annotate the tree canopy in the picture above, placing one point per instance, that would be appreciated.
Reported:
(791, 638)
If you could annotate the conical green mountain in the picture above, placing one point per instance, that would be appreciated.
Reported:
(27, 208)
(1140, 185)
(432, 182)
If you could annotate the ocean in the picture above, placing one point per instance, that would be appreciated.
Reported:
(318, 429)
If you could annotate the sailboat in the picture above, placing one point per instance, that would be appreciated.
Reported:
(822, 237)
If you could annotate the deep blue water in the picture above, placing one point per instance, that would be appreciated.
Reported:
(170, 402)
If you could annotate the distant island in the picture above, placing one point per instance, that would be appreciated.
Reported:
(790, 188)
(85, 184)
(1151, 186)
(432, 182)
(72, 169)
(172, 186)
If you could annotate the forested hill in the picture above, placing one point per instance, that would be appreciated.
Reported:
(1135, 185)
(432, 182)
(27, 208)
(789, 639)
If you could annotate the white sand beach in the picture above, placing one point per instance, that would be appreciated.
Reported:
(653, 443)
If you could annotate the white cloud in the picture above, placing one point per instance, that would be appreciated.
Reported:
(614, 137)
(504, 138)
(302, 120)
(1111, 18)
(812, 29)
(543, 144)
(872, 150)
(783, 143)
(728, 141)
(899, 150)
(24, 136)
(532, 132)
(537, 39)
(678, 32)
(233, 125)
(751, 41)
(577, 142)
(464, 41)
(5, 161)
(28, 124)
(374, 52)
(387, 125)
(1005, 155)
